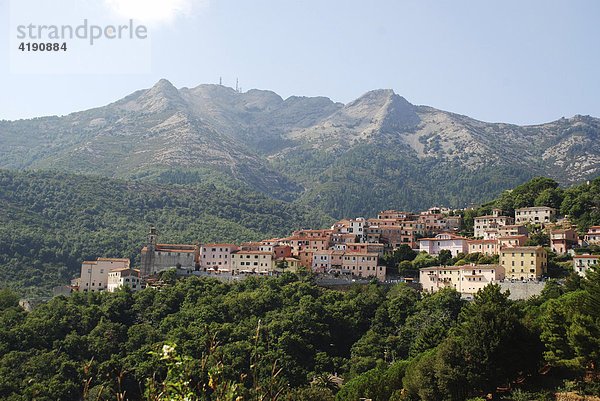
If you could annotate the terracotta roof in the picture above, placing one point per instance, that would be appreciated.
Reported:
(492, 217)
(288, 258)
(218, 245)
(513, 237)
(172, 250)
(521, 248)
(126, 269)
(463, 267)
(452, 236)
(325, 251)
(175, 246)
(586, 256)
(252, 252)
(364, 243)
(113, 260)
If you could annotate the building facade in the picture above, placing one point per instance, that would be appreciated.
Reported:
(486, 247)
(535, 215)
(454, 243)
(94, 275)
(216, 256)
(583, 263)
(124, 277)
(467, 279)
(524, 263)
(482, 224)
(563, 240)
(158, 257)
(257, 262)
(593, 235)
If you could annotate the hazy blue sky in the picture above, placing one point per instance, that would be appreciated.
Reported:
(520, 61)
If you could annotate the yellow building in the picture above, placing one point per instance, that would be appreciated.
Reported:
(291, 264)
(525, 262)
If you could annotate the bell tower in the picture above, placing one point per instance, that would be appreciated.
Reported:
(152, 239)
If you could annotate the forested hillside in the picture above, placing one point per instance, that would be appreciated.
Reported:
(50, 221)
(270, 338)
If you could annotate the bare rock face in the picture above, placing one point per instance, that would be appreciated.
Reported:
(298, 145)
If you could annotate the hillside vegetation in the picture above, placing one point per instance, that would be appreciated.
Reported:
(270, 338)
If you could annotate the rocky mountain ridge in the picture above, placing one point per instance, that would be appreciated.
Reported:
(289, 148)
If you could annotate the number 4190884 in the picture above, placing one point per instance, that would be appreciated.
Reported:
(43, 47)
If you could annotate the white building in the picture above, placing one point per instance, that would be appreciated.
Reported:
(582, 263)
(259, 262)
(482, 224)
(467, 279)
(124, 276)
(94, 274)
(454, 243)
(535, 215)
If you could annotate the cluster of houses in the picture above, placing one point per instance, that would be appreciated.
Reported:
(355, 247)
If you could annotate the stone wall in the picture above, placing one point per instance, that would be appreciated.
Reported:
(522, 290)
(155, 261)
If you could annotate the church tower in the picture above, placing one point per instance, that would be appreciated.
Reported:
(152, 239)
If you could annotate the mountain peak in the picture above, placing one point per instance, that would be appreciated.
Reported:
(165, 87)
(375, 95)
(162, 96)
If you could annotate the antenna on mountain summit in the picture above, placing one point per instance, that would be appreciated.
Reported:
(221, 81)
(237, 88)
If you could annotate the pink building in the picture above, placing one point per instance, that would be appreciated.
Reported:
(519, 229)
(454, 243)
(563, 240)
(593, 235)
(321, 261)
(484, 246)
(363, 265)
(216, 256)
(512, 241)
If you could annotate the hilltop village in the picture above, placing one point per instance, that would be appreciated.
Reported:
(355, 248)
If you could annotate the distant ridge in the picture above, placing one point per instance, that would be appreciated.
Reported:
(375, 151)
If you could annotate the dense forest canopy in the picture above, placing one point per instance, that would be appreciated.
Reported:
(285, 338)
